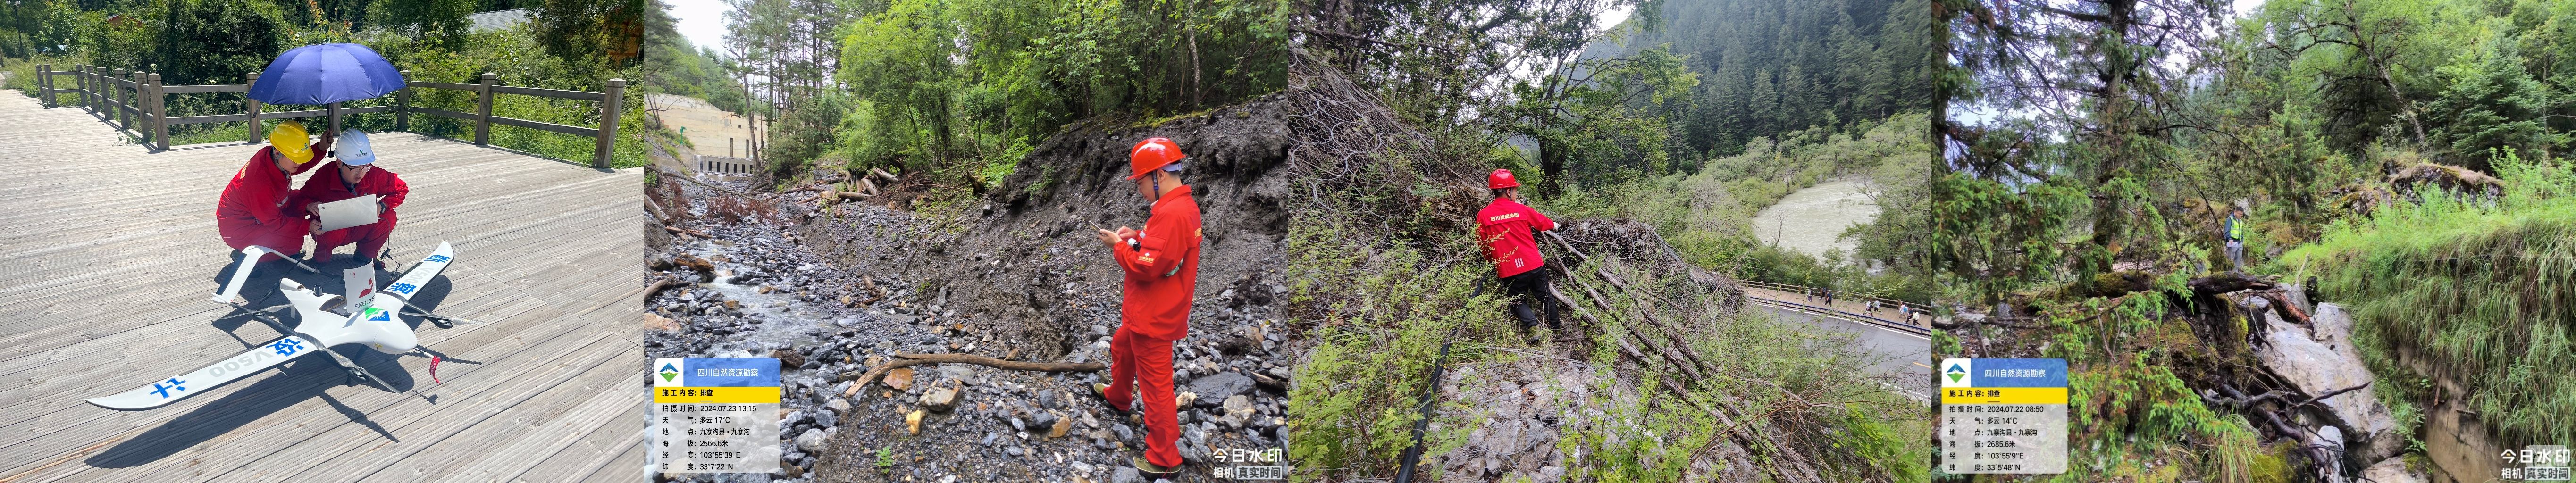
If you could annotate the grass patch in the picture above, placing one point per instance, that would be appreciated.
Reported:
(2480, 288)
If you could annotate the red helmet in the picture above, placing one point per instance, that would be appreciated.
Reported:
(1502, 178)
(1151, 154)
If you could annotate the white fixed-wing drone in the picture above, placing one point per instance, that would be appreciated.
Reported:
(374, 320)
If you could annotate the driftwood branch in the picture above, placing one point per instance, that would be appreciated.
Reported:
(909, 360)
(694, 263)
(658, 286)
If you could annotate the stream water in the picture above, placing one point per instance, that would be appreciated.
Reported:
(1809, 219)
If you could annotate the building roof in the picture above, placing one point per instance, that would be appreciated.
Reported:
(499, 19)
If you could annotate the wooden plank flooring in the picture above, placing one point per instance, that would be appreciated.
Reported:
(109, 252)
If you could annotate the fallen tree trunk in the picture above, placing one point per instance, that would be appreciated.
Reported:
(909, 360)
(2228, 282)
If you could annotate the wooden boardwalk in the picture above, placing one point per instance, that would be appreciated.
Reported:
(110, 252)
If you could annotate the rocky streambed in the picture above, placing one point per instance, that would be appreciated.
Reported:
(754, 286)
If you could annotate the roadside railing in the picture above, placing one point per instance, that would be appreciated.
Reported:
(727, 165)
(1915, 311)
(135, 102)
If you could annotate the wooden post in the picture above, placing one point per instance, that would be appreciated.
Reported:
(89, 88)
(252, 105)
(80, 79)
(483, 111)
(608, 111)
(402, 104)
(45, 84)
(160, 112)
(134, 114)
(116, 91)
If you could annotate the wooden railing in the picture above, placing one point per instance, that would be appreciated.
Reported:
(134, 101)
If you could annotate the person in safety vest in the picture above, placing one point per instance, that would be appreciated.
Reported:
(258, 207)
(355, 174)
(1507, 230)
(1161, 265)
(2234, 233)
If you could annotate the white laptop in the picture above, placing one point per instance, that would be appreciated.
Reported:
(349, 212)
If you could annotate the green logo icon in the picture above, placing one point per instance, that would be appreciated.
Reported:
(1956, 373)
(669, 372)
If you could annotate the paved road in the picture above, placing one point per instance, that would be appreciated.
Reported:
(1896, 352)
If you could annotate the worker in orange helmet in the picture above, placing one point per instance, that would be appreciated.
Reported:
(1161, 265)
(259, 207)
(1507, 231)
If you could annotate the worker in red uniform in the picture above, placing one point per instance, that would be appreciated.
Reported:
(355, 174)
(1162, 265)
(1507, 230)
(259, 208)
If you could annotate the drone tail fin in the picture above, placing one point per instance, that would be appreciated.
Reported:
(170, 390)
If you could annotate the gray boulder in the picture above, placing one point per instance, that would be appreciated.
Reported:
(1215, 388)
(2393, 470)
(2324, 361)
(810, 441)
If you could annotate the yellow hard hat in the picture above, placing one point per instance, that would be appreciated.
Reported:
(288, 138)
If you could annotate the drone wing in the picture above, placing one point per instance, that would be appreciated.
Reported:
(419, 275)
(166, 391)
(241, 271)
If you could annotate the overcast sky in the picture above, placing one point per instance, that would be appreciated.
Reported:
(701, 21)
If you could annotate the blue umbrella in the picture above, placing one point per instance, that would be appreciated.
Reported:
(324, 74)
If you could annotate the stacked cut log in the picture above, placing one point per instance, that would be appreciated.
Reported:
(1673, 349)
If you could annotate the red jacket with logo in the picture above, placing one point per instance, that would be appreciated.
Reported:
(1503, 228)
(1162, 266)
(259, 194)
(326, 187)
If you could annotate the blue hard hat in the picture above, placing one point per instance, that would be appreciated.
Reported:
(352, 148)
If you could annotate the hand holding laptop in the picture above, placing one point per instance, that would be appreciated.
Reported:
(350, 212)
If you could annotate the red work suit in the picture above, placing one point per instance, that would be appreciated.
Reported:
(260, 208)
(328, 186)
(1503, 228)
(1162, 266)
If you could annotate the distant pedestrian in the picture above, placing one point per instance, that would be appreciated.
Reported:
(2234, 233)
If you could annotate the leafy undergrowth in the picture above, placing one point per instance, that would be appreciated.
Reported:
(2134, 415)
(2476, 289)
(1386, 309)
(1384, 317)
